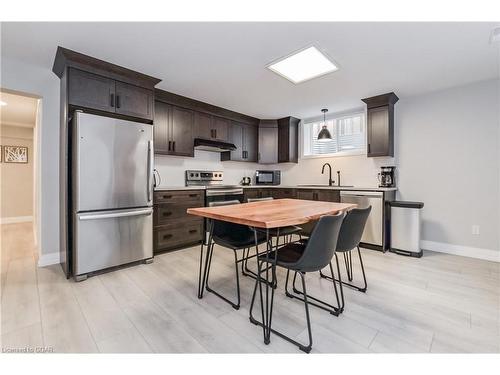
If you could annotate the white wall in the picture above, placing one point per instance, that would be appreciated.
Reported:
(19, 76)
(447, 147)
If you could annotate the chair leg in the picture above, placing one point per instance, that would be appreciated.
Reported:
(361, 289)
(334, 310)
(236, 305)
(348, 264)
(307, 348)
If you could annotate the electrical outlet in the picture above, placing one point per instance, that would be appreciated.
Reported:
(475, 230)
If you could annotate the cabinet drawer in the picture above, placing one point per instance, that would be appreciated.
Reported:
(172, 214)
(172, 236)
(194, 197)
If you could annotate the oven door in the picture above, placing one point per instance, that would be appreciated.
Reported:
(221, 195)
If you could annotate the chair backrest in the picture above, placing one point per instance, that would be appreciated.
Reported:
(225, 228)
(352, 228)
(321, 245)
(259, 199)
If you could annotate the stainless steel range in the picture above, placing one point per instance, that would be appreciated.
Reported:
(216, 190)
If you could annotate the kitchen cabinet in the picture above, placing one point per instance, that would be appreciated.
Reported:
(93, 91)
(172, 226)
(324, 195)
(268, 142)
(173, 130)
(134, 101)
(288, 140)
(244, 137)
(211, 127)
(380, 124)
(220, 128)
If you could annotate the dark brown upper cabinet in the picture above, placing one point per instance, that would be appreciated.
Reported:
(245, 138)
(211, 127)
(268, 142)
(134, 101)
(173, 130)
(288, 140)
(92, 91)
(380, 124)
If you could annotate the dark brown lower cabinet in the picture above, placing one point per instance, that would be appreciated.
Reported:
(172, 226)
(325, 195)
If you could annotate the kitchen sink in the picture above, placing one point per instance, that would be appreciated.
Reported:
(325, 185)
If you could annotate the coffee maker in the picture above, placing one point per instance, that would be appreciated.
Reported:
(386, 177)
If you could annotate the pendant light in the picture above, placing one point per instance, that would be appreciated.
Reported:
(324, 134)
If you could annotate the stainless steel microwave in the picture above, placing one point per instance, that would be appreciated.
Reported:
(268, 177)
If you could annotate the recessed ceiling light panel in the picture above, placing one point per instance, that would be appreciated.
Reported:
(304, 65)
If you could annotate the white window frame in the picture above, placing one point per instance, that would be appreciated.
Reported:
(335, 116)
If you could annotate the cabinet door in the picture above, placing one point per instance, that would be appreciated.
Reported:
(250, 142)
(181, 131)
(306, 194)
(379, 132)
(202, 125)
(268, 145)
(328, 195)
(91, 91)
(134, 101)
(161, 128)
(221, 128)
(236, 137)
(251, 193)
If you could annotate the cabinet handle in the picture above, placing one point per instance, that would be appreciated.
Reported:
(369, 148)
(169, 145)
(167, 236)
(117, 101)
(173, 146)
(193, 195)
(112, 100)
(192, 231)
(167, 197)
(167, 213)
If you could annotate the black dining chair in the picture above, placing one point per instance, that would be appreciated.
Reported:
(301, 257)
(285, 232)
(232, 236)
(350, 235)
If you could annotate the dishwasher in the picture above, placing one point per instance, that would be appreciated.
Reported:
(373, 235)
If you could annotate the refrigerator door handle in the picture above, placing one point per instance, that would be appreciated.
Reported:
(150, 181)
(111, 215)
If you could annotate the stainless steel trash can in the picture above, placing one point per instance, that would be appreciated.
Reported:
(405, 228)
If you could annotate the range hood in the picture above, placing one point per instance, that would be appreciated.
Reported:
(211, 145)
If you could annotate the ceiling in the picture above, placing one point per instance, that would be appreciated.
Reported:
(225, 63)
(19, 111)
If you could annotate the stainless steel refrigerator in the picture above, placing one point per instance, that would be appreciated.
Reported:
(112, 185)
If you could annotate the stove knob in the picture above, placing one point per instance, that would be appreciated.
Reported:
(197, 175)
(191, 175)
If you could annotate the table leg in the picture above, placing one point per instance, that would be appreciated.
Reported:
(202, 277)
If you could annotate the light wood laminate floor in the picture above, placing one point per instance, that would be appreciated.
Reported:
(439, 303)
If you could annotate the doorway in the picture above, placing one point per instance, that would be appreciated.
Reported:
(20, 116)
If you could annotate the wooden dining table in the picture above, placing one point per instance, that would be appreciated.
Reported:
(277, 213)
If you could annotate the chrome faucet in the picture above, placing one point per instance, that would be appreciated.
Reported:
(330, 181)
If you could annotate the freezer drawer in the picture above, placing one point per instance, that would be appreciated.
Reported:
(110, 238)
(112, 163)
(374, 229)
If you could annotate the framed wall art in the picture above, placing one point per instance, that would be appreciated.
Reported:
(15, 154)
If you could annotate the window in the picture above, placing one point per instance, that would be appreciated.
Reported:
(348, 136)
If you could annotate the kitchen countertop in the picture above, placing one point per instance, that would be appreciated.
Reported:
(357, 188)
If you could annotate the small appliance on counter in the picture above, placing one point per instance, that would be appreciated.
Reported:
(386, 177)
(272, 177)
(246, 181)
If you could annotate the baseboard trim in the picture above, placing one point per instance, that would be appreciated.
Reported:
(466, 251)
(48, 259)
(16, 219)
